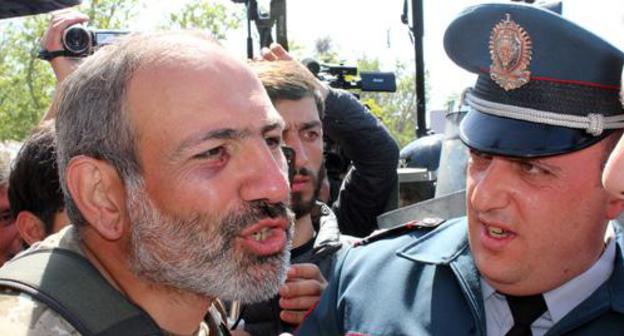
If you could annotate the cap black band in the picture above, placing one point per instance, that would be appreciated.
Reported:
(564, 98)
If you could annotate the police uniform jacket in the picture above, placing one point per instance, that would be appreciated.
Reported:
(426, 283)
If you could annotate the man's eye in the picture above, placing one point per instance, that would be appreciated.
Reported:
(532, 169)
(311, 135)
(5, 218)
(216, 153)
(274, 142)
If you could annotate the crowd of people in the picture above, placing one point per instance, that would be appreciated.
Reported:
(174, 189)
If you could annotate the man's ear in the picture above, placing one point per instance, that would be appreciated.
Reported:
(30, 227)
(99, 194)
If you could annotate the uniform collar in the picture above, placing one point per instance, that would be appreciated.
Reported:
(441, 246)
(608, 296)
(617, 279)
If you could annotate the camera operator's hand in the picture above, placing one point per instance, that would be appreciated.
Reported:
(52, 40)
(276, 52)
(302, 290)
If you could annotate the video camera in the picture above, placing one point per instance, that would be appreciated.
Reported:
(336, 77)
(80, 41)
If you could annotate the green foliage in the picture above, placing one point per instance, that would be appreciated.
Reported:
(27, 84)
(110, 14)
(215, 17)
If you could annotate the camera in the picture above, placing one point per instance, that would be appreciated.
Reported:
(336, 77)
(80, 41)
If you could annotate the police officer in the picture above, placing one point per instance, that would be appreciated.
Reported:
(537, 253)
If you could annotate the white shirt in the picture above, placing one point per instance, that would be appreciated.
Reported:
(560, 301)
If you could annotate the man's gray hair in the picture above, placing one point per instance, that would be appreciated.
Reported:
(92, 110)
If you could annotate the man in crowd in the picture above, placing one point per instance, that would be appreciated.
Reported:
(320, 110)
(10, 242)
(34, 192)
(174, 180)
(299, 98)
(537, 253)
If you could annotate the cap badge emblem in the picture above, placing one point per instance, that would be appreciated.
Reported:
(510, 50)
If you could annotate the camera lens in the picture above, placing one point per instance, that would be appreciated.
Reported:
(77, 39)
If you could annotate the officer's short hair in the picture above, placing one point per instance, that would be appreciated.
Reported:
(288, 80)
(33, 182)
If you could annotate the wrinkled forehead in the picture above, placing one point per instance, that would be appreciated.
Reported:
(199, 89)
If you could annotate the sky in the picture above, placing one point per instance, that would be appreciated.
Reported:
(373, 28)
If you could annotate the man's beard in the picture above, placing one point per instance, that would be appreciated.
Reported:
(300, 206)
(196, 253)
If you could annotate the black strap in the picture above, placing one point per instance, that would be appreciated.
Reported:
(49, 55)
(525, 310)
(68, 284)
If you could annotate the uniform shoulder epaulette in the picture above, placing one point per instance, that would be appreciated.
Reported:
(425, 223)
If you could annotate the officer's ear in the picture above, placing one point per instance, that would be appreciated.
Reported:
(30, 227)
(99, 194)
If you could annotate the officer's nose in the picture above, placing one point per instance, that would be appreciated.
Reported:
(488, 186)
(613, 175)
(265, 175)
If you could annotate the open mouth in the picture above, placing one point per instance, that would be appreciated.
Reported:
(497, 232)
(267, 237)
(261, 235)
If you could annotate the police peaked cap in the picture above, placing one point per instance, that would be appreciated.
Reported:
(545, 85)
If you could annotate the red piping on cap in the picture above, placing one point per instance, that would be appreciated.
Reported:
(567, 81)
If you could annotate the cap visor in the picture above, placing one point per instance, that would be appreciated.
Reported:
(510, 137)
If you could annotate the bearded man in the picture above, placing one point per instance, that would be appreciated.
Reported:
(170, 159)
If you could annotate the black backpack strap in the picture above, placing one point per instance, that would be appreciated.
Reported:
(67, 283)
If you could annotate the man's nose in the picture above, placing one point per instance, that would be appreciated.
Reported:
(301, 155)
(266, 175)
(489, 187)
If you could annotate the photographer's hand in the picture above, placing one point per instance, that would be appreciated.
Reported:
(52, 40)
(302, 290)
(277, 53)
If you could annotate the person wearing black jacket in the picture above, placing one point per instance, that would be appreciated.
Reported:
(374, 156)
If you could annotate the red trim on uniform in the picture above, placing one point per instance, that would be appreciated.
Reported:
(355, 333)
(307, 313)
(566, 81)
